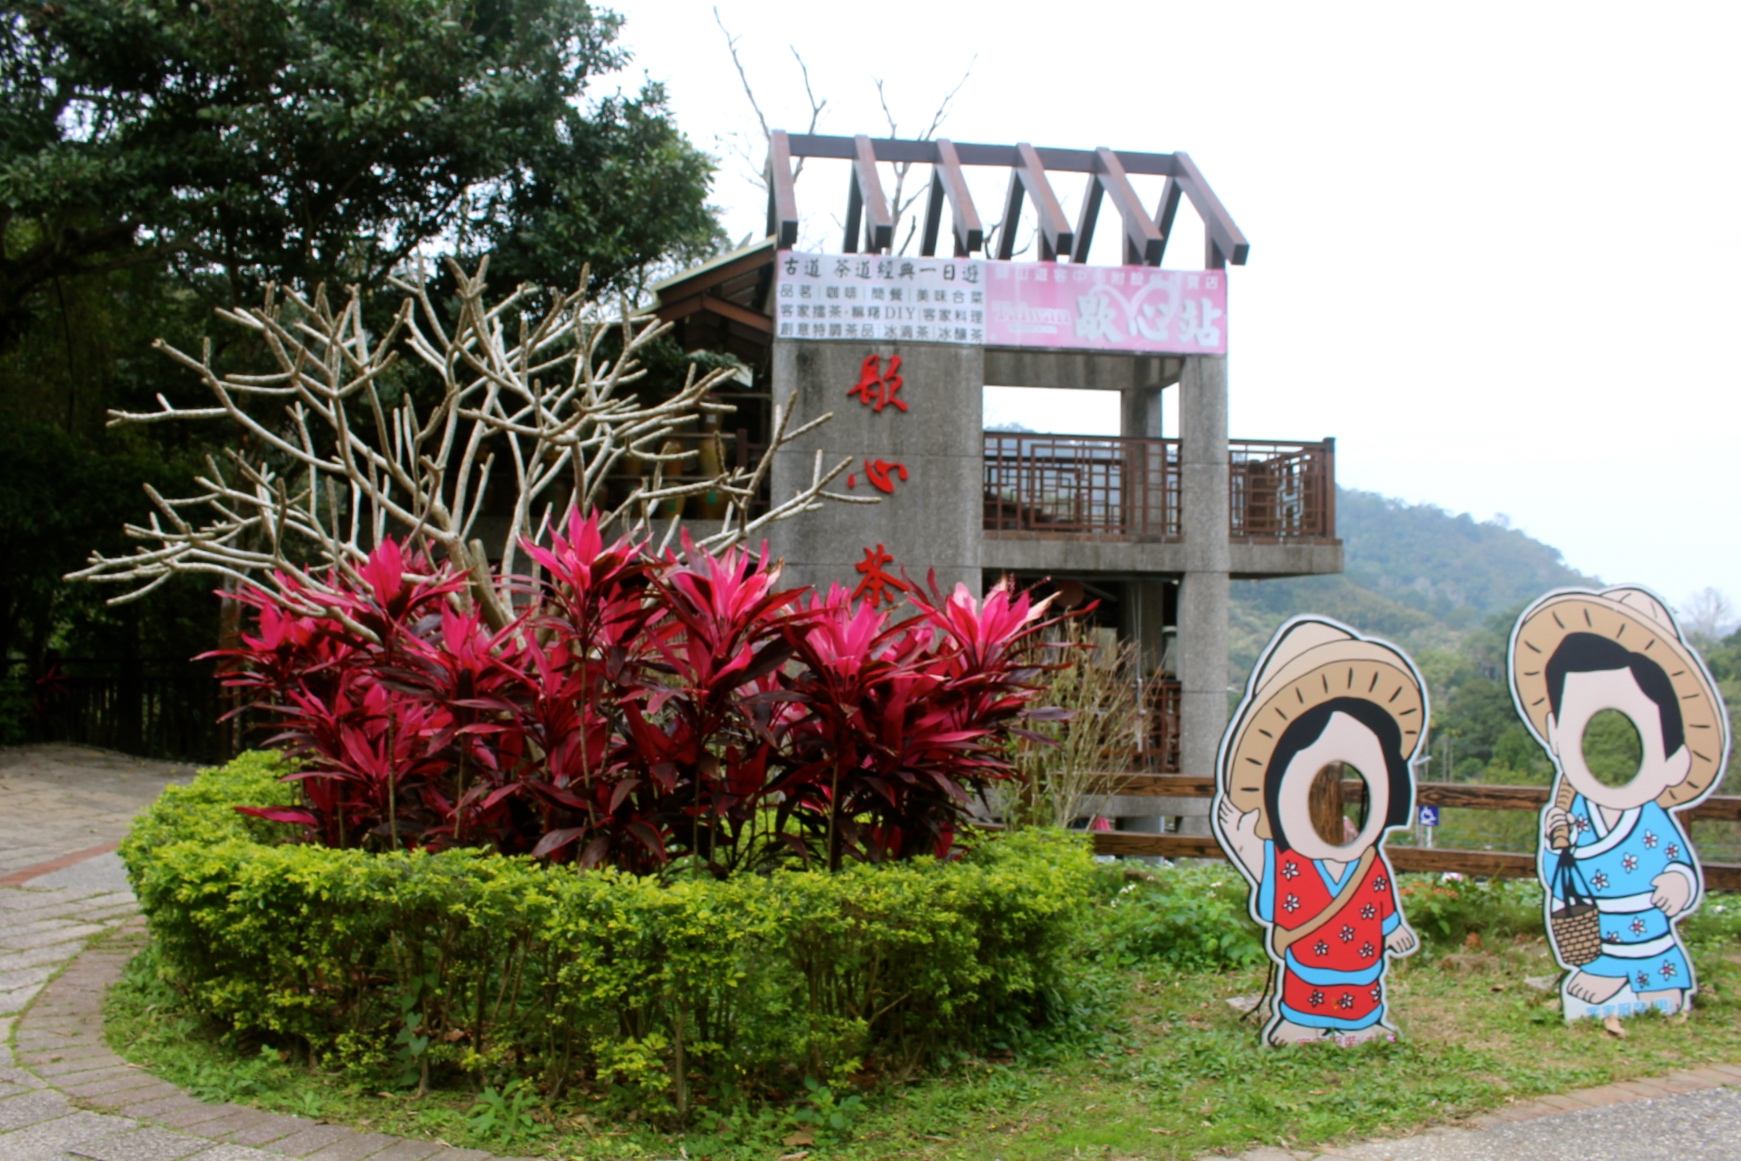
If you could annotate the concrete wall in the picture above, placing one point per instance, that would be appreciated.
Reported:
(1083, 370)
(934, 517)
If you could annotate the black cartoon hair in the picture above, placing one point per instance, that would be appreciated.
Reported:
(1309, 727)
(1592, 653)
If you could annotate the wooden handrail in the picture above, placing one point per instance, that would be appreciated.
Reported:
(1458, 795)
(1503, 864)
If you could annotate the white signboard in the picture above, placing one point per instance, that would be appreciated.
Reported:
(852, 296)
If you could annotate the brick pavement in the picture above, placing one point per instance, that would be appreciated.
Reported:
(63, 1094)
(59, 800)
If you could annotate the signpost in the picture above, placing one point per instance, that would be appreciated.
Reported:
(1428, 817)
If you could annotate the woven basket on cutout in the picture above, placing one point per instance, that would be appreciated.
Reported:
(1577, 933)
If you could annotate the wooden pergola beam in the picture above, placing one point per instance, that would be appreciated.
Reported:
(864, 199)
(782, 196)
(1222, 238)
(948, 183)
(1142, 240)
(1056, 237)
(1145, 239)
(1165, 211)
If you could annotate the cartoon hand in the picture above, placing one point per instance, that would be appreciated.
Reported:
(1401, 941)
(1672, 892)
(1240, 830)
(1555, 819)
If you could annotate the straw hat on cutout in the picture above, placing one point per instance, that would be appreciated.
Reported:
(1313, 662)
(1633, 618)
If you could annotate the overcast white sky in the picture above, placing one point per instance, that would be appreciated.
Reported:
(1493, 245)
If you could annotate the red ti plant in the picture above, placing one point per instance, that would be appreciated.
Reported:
(641, 710)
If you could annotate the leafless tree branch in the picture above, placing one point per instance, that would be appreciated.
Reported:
(902, 202)
(525, 427)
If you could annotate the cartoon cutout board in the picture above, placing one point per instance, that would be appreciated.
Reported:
(1618, 870)
(1321, 694)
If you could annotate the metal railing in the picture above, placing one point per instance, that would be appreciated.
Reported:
(1127, 488)
(151, 709)
(1160, 732)
(1281, 490)
(1130, 488)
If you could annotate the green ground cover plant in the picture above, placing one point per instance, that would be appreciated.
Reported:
(481, 973)
(1145, 1056)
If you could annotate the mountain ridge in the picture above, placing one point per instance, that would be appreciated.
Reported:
(1414, 574)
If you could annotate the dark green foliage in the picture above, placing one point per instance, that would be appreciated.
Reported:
(267, 139)
(1182, 917)
(1446, 909)
(417, 969)
(159, 159)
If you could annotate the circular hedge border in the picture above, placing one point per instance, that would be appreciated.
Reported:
(464, 966)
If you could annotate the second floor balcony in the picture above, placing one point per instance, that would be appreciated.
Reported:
(1129, 489)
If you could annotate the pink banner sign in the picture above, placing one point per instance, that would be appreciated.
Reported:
(1105, 308)
(980, 302)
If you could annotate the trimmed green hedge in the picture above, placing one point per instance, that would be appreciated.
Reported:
(413, 968)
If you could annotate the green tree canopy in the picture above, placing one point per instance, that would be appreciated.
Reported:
(161, 157)
(301, 140)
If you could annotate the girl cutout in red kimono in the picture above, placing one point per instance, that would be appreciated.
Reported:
(1322, 698)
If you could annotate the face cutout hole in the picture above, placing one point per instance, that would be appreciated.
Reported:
(1612, 751)
(1335, 807)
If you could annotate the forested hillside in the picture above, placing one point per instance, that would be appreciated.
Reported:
(1446, 588)
(1416, 574)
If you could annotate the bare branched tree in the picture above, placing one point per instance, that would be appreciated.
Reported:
(1708, 616)
(1095, 749)
(758, 169)
(902, 204)
(340, 455)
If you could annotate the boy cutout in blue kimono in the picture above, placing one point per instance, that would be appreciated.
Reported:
(1575, 654)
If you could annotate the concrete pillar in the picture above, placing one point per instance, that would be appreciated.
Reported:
(1140, 413)
(1203, 591)
(1145, 601)
(933, 518)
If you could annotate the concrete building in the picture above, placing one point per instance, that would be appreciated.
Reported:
(1154, 524)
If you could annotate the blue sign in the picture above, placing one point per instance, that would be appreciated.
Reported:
(1429, 816)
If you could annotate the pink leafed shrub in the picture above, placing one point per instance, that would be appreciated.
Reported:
(641, 709)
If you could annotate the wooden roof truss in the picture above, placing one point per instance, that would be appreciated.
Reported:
(871, 227)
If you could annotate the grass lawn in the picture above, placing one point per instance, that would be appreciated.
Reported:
(1154, 1062)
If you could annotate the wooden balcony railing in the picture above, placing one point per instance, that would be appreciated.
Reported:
(1082, 484)
(1281, 490)
(1130, 489)
(1160, 729)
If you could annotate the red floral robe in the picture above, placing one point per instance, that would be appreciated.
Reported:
(1332, 976)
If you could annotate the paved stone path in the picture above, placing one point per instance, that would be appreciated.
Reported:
(1688, 1116)
(64, 1096)
(60, 801)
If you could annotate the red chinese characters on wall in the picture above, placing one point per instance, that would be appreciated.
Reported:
(877, 387)
(877, 581)
(881, 475)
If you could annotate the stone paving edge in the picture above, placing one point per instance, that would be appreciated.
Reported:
(63, 1023)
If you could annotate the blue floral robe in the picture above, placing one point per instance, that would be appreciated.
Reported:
(1618, 865)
